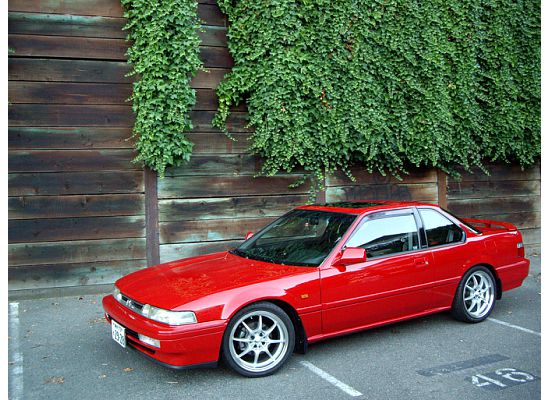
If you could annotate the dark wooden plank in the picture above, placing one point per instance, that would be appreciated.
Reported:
(202, 122)
(228, 207)
(76, 251)
(28, 207)
(71, 160)
(81, 7)
(70, 115)
(407, 192)
(53, 230)
(208, 230)
(210, 14)
(74, 93)
(522, 220)
(63, 275)
(170, 252)
(152, 216)
(501, 172)
(221, 186)
(213, 36)
(52, 70)
(468, 207)
(481, 190)
(442, 189)
(20, 138)
(238, 164)
(363, 177)
(66, 183)
(207, 100)
(209, 78)
(215, 57)
(72, 47)
(66, 25)
(208, 143)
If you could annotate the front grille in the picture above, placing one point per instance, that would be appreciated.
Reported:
(131, 304)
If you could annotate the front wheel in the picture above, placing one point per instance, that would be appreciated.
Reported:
(258, 340)
(475, 295)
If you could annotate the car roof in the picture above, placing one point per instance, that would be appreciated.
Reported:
(360, 207)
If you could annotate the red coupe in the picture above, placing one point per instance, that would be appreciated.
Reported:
(317, 272)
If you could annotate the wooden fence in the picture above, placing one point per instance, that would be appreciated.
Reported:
(81, 213)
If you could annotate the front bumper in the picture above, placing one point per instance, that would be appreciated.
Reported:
(180, 346)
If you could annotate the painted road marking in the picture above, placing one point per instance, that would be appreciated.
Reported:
(331, 379)
(514, 326)
(501, 379)
(15, 384)
(458, 366)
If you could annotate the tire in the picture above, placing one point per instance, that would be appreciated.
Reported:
(258, 340)
(475, 296)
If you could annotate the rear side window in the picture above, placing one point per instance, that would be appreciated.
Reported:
(439, 229)
(384, 236)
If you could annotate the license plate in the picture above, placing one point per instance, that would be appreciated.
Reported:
(119, 333)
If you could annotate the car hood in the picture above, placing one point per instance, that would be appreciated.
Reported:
(174, 284)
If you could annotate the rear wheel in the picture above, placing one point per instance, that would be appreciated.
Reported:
(475, 296)
(258, 340)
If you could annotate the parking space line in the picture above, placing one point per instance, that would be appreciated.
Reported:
(331, 379)
(15, 384)
(514, 326)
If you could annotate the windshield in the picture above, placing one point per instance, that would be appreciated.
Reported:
(301, 237)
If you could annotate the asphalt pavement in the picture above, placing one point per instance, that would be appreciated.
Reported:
(61, 348)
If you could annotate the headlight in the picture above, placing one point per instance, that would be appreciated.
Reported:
(168, 317)
(117, 295)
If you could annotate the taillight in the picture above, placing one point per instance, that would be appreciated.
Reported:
(521, 250)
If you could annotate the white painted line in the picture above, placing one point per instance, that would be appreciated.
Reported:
(331, 379)
(514, 326)
(15, 384)
(493, 381)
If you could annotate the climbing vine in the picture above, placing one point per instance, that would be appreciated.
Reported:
(387, 84)
(165, 55)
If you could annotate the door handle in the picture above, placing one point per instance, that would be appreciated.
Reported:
(421, 262)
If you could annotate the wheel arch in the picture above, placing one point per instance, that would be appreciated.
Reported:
(493, 272)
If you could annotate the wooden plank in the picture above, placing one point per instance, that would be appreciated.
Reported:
(481, 190)
(207, 100)
(468, 207)
(70, 115)
(73, 93)
(522, 220)
(208, 143)
(202, 122)
(66, 25)
(531, 236)
(29, 207)
(222, 186)
(216, 57)
(532, 249)
(64, 275)
(56, 183)
(53, 230)
(228, 207)
(441, 189)
(72, 47)
(152, 216)
(213, 36)
(238, 164)
(76, 251)
(500, 172)
(363, 177)
(71, 160)
(209, 78)
(21, 138)
(208, 230)
(171, 252)
(52, 70)
(210, 14)
(108, 8)
(407, 192)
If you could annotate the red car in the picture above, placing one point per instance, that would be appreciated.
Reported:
(317, 272)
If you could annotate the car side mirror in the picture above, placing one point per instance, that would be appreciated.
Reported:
(353, 255)
(249, 234)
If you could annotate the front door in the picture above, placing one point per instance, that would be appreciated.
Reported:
(394, 281)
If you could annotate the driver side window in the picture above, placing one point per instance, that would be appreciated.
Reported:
(387, 235)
